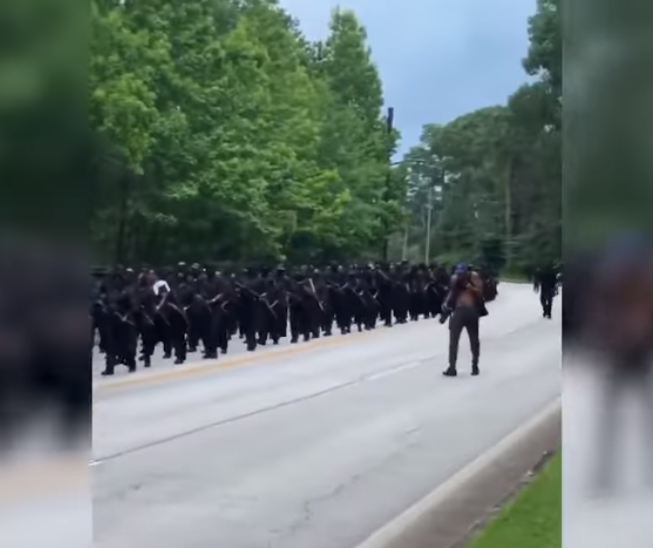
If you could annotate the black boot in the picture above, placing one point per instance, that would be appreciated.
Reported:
(450, 372)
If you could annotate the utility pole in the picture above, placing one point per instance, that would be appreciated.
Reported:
(429, 215)
(429, 209)
(122, 219)
(388, 180)
(404, 248)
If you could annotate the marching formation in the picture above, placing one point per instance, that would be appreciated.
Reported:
(186, 307)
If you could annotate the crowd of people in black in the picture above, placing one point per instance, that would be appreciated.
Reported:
(184, 307)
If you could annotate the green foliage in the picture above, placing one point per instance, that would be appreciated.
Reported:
(495, 174)
(221, 132)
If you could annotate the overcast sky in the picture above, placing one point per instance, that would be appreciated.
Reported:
(438, 58)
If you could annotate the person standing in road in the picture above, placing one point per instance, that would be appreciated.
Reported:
(466, 306)
(546, 282)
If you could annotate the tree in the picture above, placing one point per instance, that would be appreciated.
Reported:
(499, 190)
(222, 133)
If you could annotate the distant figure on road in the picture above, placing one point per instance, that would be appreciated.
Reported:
(546, 282)
(464, 307)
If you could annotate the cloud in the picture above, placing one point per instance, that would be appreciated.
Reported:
(438, 59)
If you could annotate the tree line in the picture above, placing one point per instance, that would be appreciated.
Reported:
(492, 178)
(220, 132)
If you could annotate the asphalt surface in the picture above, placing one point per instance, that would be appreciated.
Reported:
(317, 444)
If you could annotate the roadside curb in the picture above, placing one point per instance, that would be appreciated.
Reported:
(447, 515)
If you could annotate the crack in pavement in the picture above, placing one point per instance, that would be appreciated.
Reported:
(308, 510)
(308, 507)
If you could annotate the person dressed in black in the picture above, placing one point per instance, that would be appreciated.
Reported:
(546, 282)
(464, 306)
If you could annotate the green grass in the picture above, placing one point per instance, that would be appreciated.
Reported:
(533, 519)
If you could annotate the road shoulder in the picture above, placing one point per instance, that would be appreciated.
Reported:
(453, 511)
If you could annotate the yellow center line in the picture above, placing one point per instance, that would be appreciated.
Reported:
(247, 359)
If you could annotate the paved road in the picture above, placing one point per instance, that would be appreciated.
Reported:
(312, 445)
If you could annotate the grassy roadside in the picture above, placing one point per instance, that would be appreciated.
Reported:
(533, 519)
